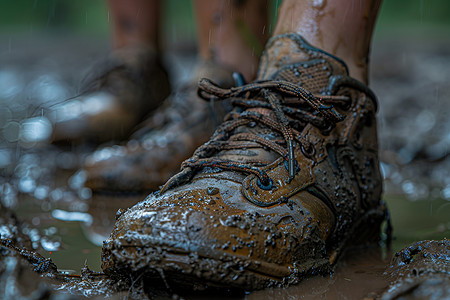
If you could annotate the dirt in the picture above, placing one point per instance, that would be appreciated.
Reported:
(410, 78)
(420, 271)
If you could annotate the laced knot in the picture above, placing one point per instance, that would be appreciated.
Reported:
(277, 105)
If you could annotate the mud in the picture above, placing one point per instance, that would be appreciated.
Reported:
(26, 274)
(253, 234)
(361, 273)
(17, 267)
(420, 271)
(35, 177)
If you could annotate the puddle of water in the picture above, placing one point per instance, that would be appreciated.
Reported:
(104, 209)
(425, 219)
(358, 274)
(22, 125)
(75, 249)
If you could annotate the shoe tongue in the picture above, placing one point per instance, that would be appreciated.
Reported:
(289, 57)
(221, 75)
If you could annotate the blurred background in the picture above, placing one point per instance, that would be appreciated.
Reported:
(46, 46)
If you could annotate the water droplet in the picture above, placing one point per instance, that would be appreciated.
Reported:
(27, 185)
(56, 194)
(36, 129)
(212, 190)
(318, 3)
(85, 193)
(11, 131)
(11, 84)
(41, 192)
(5, 158)
(36, 221)
(50, 245)
(72, 216)
(446, 192)
(77, 180)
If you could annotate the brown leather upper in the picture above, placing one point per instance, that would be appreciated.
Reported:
(236, 199)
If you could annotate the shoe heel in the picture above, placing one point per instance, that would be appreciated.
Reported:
(373, 228)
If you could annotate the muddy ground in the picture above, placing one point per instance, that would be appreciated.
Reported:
(411, 78)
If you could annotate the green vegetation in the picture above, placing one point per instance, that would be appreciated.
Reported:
(424, 219)
(53, 15)
(91, 17)
(414, 17)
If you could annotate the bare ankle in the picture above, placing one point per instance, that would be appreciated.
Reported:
(338, 27)
(232, 33)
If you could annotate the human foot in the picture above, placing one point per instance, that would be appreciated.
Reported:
(288, 181)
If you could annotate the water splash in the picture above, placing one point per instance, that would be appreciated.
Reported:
(71, 216)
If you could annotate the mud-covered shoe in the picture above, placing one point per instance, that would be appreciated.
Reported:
(283, 186)
(115, 96)
(164, 140)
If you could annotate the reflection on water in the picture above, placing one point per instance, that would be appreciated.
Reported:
(72, 216)
(37, 129)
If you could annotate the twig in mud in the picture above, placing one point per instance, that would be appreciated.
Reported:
(45, 266)
(41, 265)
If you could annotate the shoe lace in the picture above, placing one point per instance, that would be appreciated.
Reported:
(292, 106)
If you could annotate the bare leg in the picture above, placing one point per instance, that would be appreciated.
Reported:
(135, 22)
(341, 27)
(230, 32)
(125, 99)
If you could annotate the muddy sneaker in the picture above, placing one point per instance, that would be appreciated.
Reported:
(169, 136)
(283, 186)
(115, 96)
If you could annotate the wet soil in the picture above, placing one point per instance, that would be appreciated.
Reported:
(65, 223)
(420, 271)
(357, 268)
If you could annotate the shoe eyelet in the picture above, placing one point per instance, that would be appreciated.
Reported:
(267, 187)
(326, 131)
(308, 152)
(348, 104)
